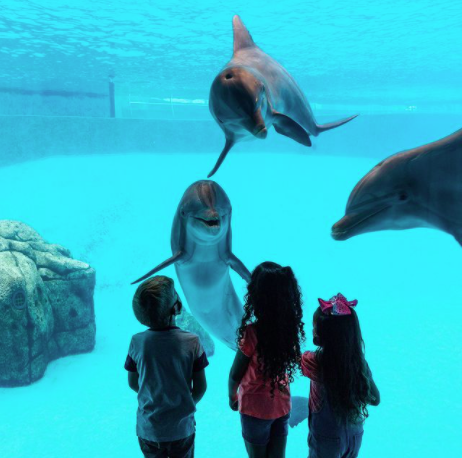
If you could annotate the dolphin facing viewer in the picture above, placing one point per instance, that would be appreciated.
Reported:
(166, 368)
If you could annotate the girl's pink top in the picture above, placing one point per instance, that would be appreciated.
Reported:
(254, 393)
(311, 369)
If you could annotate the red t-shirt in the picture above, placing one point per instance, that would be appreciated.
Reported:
(254, 393)
(311, 369)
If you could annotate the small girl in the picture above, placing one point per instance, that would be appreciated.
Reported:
(267, 359)
(341, 384)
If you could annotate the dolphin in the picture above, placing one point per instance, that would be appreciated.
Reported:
(254, 92)
(201, 246)
(421, 187)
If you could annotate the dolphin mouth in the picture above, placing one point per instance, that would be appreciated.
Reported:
(342, 229)
(211, 223)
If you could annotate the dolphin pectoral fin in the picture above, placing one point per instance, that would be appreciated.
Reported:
(228, 145)
(242, 38)
(288, 127)
(333, 125)
(175, 258)
(299, 410)
(238, 266)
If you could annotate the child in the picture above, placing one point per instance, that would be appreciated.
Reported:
(166, 368)
(267, 359)
(341, 385)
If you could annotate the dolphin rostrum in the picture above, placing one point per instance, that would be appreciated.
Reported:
(253, 92)
(201, 246)
(421, 187)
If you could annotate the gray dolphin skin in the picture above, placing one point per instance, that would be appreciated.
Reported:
(253, 92)
(421, 187)
(201, 246)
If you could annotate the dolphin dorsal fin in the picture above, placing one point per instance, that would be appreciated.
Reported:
(242, 38)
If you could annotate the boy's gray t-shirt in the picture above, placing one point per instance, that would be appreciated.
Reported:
(165, 361)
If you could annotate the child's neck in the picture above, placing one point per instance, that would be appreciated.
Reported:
(171, 322)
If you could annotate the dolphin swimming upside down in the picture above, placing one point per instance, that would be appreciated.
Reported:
(253, 92)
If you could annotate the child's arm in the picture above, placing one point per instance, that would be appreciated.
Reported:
(133, 381)
(199, 385)
(238, 369)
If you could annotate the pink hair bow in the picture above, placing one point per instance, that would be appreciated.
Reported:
(337, 305)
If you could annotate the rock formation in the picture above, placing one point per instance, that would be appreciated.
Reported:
(46, 304)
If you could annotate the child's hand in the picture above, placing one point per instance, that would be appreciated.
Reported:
(233, 403)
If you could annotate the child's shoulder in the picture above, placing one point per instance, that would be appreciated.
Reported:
(174, 336)
(186, 337)
(248, 343)
(186, 334)
(138, 340)
(309, 357)
(140, 335)
(250, 334)
(250, 330)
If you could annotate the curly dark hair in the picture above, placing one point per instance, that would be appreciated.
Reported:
(344, 369)
(273, 304)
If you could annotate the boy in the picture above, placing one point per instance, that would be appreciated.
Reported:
(166, 368)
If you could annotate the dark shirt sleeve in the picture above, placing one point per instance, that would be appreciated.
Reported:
(130, 365)
(200, 363)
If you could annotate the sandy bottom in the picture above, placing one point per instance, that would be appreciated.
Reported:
(116, 213)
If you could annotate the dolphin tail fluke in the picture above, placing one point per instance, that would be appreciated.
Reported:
(299, 411)
(333, 125)
(175, 258)
(228, 145)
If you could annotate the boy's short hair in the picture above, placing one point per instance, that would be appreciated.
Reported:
(152, 301)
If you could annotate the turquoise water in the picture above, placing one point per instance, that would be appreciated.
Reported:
(387, 51)
(115, 211)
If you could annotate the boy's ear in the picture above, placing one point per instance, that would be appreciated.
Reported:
(177, 308)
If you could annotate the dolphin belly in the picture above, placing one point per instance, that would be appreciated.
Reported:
(285, 94)
(201, 252)
(212, 299)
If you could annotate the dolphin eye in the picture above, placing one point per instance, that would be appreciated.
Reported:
(403, 197)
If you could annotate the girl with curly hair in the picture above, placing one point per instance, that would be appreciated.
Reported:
(341, 385)
(267, 359)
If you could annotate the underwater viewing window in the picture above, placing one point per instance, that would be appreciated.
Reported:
(197, 140)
